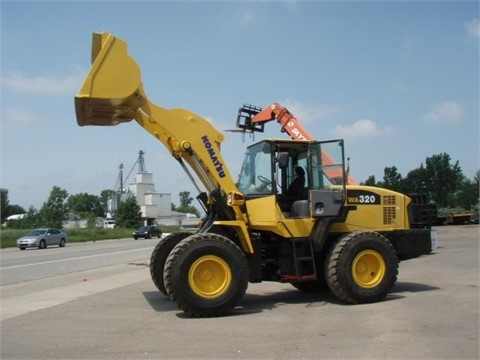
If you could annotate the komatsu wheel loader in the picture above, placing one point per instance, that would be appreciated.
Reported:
(347, 238)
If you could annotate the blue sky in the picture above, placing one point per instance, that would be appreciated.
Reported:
(398, 80)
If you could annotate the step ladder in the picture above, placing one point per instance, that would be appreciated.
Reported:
(303, 259)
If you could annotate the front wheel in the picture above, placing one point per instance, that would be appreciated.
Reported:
(42, 245)
(361, 267)
(206, 275)
(159, 257)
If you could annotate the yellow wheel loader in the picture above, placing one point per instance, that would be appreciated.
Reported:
(324, 235)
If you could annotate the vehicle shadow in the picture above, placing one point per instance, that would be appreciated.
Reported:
(252, 303)
(257, 303)
(158, 301)
(409, 287)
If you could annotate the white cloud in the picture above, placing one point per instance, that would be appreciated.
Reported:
(17, 117)
(473, 28)
(44, 84)
(306, 114)
(445, 112)
(361, 128)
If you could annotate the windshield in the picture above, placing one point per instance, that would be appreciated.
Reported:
(255, 176)
(37, 232)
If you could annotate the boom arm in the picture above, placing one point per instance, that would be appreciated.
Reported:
(113, 93)
(289, 123)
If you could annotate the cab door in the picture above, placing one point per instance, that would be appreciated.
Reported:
(327, 178)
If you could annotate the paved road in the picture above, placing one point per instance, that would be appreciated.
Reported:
(32, 264)
(432, 313)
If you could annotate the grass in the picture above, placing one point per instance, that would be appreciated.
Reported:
(8, 237)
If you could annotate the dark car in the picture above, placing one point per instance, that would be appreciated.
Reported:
(147, 232)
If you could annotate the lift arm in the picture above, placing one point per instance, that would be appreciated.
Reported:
(113, 93)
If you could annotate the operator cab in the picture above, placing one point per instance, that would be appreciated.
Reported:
(277, 167)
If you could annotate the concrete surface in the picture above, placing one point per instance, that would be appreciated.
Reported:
(116, 313)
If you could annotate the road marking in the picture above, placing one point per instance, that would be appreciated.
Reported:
(70, 259)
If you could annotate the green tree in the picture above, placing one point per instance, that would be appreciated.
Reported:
(392, 179)
(185, 201)
(416, 182)
(54, 211)
(439, 179)
(442, 178)
(84, 204)
(128, 213)
(30, 220)
(4, 204)
(185, 198)
(467, 197)
(15, 209)
(370, 181)
(8, 209)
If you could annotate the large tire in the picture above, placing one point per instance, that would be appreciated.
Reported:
(159, 257)
(42, 244)
(62, 243)
(361, 267)
(206, 275)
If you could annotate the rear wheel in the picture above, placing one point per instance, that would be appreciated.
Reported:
(42, 245)
(159, 257)
(206, 275)
(361, 267)
(62, 243)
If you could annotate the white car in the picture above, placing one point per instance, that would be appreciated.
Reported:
(42, 238)
(109, 224)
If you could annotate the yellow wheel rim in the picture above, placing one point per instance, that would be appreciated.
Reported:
(368, 268)
(209, 276)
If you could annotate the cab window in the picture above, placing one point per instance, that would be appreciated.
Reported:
(255, 177)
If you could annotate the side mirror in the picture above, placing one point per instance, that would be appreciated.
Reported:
(282, 159)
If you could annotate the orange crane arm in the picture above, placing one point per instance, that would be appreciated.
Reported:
(289, 123)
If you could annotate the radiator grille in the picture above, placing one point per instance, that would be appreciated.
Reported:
(389, 200)
(389, 215)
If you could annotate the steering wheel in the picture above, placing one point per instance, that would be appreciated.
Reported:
(265, 181)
